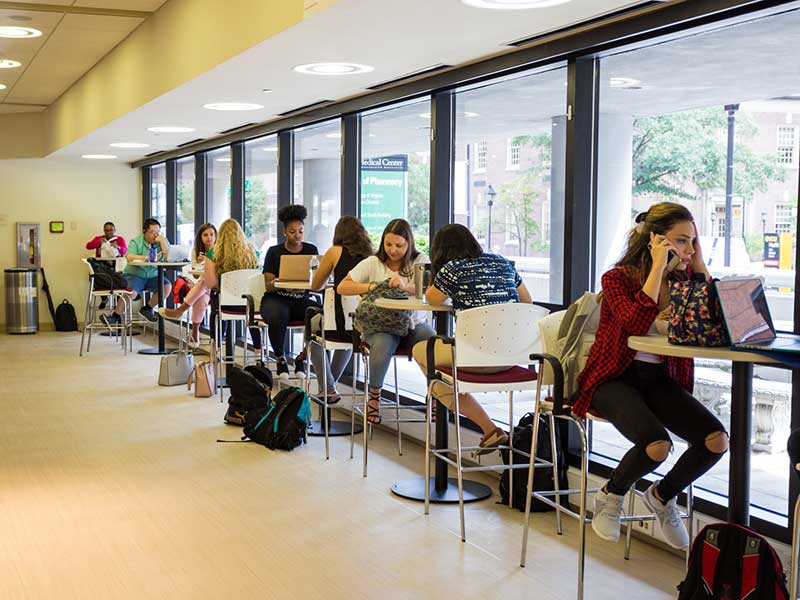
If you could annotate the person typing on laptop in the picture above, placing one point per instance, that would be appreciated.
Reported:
(280, 306)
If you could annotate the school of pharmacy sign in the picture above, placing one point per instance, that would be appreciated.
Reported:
(384, 184)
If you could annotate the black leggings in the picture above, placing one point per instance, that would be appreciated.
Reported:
(278, 311)
(643, 404)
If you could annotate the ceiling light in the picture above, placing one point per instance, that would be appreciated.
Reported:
(170, 129)
(99, 156)
(513, 4)
(224, 159)
(2, 87)
(628, 83)
(9, 64)
(129, 145)
(335, 135)
(19, 32)
(333, 68)
(233, 106)
(271, 149)
(267, 91)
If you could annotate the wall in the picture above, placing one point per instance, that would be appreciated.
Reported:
(83, 194)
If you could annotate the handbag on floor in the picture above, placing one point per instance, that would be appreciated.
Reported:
(175, 368)
(204, 376)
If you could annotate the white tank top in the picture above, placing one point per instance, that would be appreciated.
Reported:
(647, 356)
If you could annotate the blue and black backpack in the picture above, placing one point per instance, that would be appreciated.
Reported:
(282, 425)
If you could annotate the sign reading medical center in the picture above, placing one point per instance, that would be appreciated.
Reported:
(384, 184)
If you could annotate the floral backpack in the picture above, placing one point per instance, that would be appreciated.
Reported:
(696, 314)
(369, 318)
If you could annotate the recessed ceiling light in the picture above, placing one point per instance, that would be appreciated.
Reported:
(129, 145)
(170, 129)
(267, 91)
(99, 156)
(271, 149)
(19, 32)
(624, 83)
(224, 159)
(513, 4)
(333, 68)
(2, 87)
(335, 135)
(233, 106)
(9, 64)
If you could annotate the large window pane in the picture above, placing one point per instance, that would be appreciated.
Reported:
(185, 193)
(508, 179)
(261, 192)
(158, 193)
(219, 185)
(663, 135)
(395, 169)
(317, 179)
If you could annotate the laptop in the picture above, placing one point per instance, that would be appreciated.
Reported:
(178, 253)
(295, 268)
(747, 317)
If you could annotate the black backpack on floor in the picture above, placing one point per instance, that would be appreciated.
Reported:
(731, 562)
(65, 319)
(543, 477)
(250, 390)
(284, 424)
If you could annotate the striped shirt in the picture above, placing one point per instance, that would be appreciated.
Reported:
(474, 282)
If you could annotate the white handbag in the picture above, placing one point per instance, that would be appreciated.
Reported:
(175, 368)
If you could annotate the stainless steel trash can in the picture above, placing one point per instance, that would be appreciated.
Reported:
(22, 300)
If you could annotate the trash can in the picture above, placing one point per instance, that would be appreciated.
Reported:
(22, 300)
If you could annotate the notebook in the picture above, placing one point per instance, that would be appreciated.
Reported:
(295, 268)
(747, 317)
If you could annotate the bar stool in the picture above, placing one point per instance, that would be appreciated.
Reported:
(234, 289)
(90, 315)
(497, 335)
(551, 374)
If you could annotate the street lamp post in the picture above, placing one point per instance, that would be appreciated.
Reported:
(490, 194)
(763, 223)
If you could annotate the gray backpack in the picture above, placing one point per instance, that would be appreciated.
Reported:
(369, 318)
(575, 338)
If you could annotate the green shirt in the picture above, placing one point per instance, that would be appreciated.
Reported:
(138, 246)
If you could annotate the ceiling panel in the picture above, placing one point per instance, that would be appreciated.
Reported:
(19, 108)
(23, 50)
(142, 5)
(76, 46)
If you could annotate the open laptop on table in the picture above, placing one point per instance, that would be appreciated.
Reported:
(295, 268)
(178, 253)
(747, 317)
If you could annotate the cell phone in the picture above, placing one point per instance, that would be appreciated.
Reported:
(673, 260)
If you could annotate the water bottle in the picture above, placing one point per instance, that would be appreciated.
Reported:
(313, 265)
(151, 254)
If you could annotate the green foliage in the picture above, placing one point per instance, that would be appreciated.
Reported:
(754, 243)
(683, 156)
(185, 193)
(259, 217)
(419, 193)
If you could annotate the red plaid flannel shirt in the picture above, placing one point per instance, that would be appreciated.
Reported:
(626, 310)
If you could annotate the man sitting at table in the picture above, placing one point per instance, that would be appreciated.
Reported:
(144, 248)
(110, 237)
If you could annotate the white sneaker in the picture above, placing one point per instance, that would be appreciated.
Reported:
(606, 518)
(668, 516)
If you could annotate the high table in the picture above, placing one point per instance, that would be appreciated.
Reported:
(442, 488)
(162, 349)
(741, 411)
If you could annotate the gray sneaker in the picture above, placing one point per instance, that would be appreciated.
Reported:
(606, 518)
(668, 516)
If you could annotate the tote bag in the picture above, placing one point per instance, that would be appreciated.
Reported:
(695, 314)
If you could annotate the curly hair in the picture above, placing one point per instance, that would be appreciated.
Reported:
(232, 250)
(293, 212)
(351, 235)
(199, 246)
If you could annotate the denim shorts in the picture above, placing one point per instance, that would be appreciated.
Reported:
(140, 284)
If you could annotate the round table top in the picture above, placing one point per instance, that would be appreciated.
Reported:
(160, 263)
(658, 344)
(291, 285)
(412, 304)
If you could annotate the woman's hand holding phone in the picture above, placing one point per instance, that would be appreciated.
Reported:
(663, 253)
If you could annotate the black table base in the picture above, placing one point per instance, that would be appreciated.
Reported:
(157, 351)
(414, 489)
(741, 422)
(335, 428)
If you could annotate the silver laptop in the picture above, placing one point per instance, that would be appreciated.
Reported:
(747, 317)
(178, 253)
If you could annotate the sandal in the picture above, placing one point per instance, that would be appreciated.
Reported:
(333, 398)
(374, 410)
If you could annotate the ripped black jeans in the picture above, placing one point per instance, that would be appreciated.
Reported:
(644, 403)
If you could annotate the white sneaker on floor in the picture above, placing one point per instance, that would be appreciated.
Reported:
(606, 517)
(669, 519)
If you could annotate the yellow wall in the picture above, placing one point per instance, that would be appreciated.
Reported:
(83, 194)
(184, 39)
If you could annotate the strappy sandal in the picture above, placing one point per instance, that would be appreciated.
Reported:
(373, 411)
(333, 398)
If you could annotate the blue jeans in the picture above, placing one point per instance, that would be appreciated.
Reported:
(382, 347)
(140, 284)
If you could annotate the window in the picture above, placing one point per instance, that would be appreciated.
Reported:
(185, 194)
(158, 194)
(218, 203)
(505, 208)
(317, 179)
(395, 170)
(656, 143)
(261, 193)
(512, 155)
(480, 157)
(787, 144)
(785, 218)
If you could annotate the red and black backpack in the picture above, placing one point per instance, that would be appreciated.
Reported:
(731, 562)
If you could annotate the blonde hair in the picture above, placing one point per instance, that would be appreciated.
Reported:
(232, 250)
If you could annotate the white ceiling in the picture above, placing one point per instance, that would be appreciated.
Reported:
(395, 38)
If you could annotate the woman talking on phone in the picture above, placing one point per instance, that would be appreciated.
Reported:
(644, 395)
